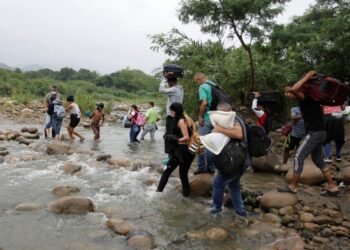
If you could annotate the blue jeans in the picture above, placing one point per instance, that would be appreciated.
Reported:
(205, 162)
(56, 125)
(219, 183)
(134, 132)
(328, 151)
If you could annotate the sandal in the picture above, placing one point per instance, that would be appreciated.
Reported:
(286, 189)
(330, 193)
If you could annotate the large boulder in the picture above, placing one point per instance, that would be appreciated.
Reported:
(71, 167)
(65, 190)
(311, 174)
(27, 112)
(57, 148)
(32, 130)
(121, 161)
(72, 205)
(293, 242)
(201, 185)
(267, 163)
(275, 199)
(119, 226)
(346, 175)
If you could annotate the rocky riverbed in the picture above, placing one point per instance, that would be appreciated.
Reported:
(101, 195)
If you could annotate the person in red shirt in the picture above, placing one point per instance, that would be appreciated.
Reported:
(259, 111)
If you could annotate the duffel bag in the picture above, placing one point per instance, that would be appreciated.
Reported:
(326, 90)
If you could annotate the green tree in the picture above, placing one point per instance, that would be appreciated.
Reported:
(248, 20)
(65, 74)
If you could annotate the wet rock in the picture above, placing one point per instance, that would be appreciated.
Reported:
(30, 136)
(150, 181)
(103, 157)
(284, 168)
(141, 242)
(346, 175)
(119, 226)
(312, 227)
(119, 161)
(294, 242)
(278, 232)
(331, 213)
(138, 164)
(346, 224)
(323, 219)
(11, 137)
(267, 163)
(57, 148)
(32, 130)
(340, 231)
(24, 130)
(85, 124)
(3, 151)
(320, 240)
(65, 190)
(24, 141)
(287, 219)
(326, 232)
(2, 137)
(311, 174)
(272, 218)
(306, 217)
(72, 205)
(216, 234)
(2, 159)
(201, 185)
(28, 207)
(288, 210)
(196, 235)
(298, 226)
(65, 137)
(98, 235)
(71, 167)
(275, 199)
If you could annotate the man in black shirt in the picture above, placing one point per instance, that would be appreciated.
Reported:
(313, 141)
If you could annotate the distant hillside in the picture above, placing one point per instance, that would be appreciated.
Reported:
(5, 66)
(29, 67)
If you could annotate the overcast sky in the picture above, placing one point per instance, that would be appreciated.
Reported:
(101, 35)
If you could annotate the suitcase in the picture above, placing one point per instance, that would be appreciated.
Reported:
(326, 90)
(175, 69)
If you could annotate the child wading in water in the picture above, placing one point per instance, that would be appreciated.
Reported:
(96, 117)
(75, 115)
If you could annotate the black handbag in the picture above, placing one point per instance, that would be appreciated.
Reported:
(232, 158)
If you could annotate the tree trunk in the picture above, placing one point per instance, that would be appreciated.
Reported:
(251, 69)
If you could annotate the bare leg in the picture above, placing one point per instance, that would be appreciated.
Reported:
(82, 138)
(48, 133)
(285, 156)
(70, 132)
(332, 186)
(293, 184)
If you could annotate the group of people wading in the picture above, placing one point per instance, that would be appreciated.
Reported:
(308, 137)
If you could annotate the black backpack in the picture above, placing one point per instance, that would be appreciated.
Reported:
(259, 143)
(234, 157)
(218, 95)
(51, 105)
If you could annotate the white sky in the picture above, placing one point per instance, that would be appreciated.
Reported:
(101, 35)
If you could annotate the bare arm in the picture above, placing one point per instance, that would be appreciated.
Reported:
(184, 130)
(165, 89)
(202, 109)
(69, 107)
(296, 89)
(234, 133)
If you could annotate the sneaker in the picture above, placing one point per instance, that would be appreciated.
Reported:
(327, 160)
(338, 159)
(215, 211)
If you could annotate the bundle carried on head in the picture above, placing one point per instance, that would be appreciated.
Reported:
(173, 70)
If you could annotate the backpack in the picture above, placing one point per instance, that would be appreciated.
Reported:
(126, 123)
(259, 143)
(59, 111)
(234, 157)
(140, 119)
(50, 107)
(218, 95)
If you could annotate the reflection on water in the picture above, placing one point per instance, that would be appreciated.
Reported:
(117, 193)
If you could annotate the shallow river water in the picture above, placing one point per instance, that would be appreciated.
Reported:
(117, 193)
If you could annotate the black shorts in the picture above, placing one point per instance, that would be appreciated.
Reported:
(292, 142)
(74, 120)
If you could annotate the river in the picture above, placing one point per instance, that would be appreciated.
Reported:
(117, 193)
